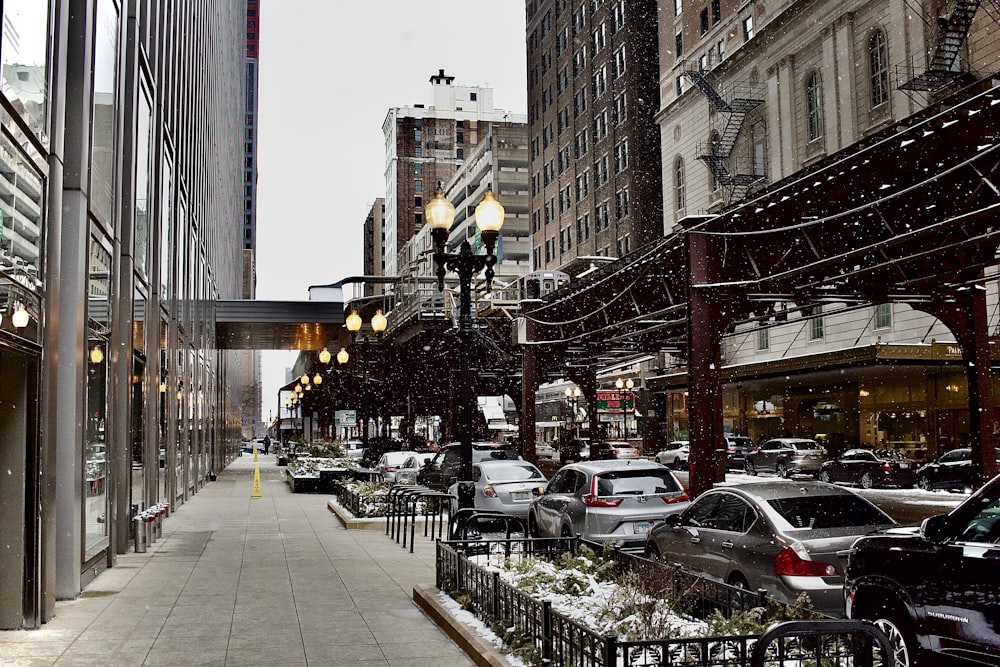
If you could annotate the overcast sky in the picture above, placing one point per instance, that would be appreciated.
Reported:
(329, 73)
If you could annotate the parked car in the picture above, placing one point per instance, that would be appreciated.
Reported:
(674, 455)
(867, 469)
(574, 449)
(787, 456)
(952, 471)
(617, 450)
(504, 486)
(440, 471)
(933, 589)
(390, 463)
(406, 473)
(784, 538)
(737, 448)
(545, 450)
(355, 449)
(607, 500)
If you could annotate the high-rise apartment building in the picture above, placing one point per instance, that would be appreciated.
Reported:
(425, 146)
(499, 163)
(595, 182)
(374, 255)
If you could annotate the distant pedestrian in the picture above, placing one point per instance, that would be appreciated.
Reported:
(267, 444)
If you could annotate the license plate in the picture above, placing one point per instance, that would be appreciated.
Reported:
(520, 495)
(904, 466)
(641, 527)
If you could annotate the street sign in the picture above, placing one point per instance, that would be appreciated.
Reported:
(345, 418)
(609, 400)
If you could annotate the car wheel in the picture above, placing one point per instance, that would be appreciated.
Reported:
(677, 464)
(866, 481)
(924, 483)
(566, 532)
(749, 467)
(781, 469)
(532, 526)
(824, 476)
(895, 624)
(653, 553)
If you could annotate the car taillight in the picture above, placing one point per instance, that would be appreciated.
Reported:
(886, 466)
(789, 563)
(592, 499)
(730, 450)
(489, 492)
(389, 469)
(675, 499)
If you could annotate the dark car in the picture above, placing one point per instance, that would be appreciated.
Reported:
(737, 448)
(952, 470)
(934, 589)
(574, 449)
(867, 469)
(443, 469)
(787, 539)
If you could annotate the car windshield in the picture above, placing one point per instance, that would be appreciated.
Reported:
(839, 511)
(636, 483)
(512, 471)
(496, 453)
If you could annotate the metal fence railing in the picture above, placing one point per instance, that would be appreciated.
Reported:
(555, 639)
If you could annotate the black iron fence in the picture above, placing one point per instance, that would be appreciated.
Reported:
(544, 635)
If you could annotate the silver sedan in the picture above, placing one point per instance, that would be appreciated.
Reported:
(616, 500)
(504, 486)
(787, 538)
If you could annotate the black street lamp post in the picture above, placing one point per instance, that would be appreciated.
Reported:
(624, 389)
(573, 397)
(440, 213)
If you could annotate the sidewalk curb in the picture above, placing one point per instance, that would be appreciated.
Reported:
(481, 652)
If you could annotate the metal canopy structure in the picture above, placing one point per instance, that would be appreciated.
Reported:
(907, 215)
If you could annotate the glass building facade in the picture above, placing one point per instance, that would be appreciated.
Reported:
(121, 209)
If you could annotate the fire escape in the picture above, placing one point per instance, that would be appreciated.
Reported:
(736, 103)
(944, 67)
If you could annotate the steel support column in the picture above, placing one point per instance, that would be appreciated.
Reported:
(529, 386)
(965, 315)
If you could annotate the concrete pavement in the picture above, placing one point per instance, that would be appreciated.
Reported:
(274, 580)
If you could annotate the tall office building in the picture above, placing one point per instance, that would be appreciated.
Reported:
(594, 145)
(424, 147)
(252, 421)
(119, 233)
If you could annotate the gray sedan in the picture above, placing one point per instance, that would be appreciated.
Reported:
(617, 500)
(504, 486)
(787, 538)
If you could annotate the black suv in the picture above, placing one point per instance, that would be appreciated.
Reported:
(574, 449)
(952, 470)
(442, 470)
(934, 590)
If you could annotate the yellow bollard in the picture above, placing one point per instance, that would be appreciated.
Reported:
(256, 482)
(255, 452)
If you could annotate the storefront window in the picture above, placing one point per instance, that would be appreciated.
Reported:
(21, 221)
(142, 181)
(102, 158)
(166, 209)
(95, 455)
(24, 52)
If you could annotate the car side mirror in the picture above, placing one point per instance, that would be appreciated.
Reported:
(673, 520)
(538, 491)
(935, 528)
